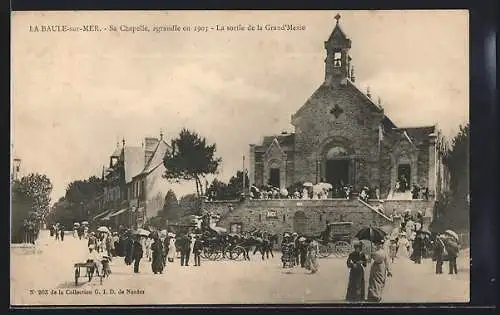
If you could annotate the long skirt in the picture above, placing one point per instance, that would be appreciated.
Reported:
(157, 262)
(311, 262)
(376, 282)
(356, 285)
(172, 252)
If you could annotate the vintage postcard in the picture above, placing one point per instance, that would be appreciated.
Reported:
(239, 157)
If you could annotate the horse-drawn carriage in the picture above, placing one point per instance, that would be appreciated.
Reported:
(335, 239)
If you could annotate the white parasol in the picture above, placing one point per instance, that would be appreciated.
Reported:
(85, 223)
(255, 188)
(103, 229)
(284, 192)
(452, 234)
(308, 184)
(327, 185)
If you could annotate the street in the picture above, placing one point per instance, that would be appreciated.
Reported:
(219, 282)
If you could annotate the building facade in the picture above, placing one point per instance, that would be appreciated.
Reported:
(343, 137)
(134, 188)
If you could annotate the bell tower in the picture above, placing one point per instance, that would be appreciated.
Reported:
(338, 61)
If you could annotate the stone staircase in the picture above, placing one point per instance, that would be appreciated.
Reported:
(394, 195)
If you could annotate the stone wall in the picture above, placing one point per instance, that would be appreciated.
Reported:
(303, 216)
(307, 216)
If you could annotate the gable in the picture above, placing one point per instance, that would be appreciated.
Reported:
(274, 149)
(338, 104)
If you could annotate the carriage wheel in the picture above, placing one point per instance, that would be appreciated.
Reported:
(323, 251)
(237, 253)
(77, 275)
(212, 254)
(342, 248)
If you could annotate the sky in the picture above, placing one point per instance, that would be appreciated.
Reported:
(76, 94)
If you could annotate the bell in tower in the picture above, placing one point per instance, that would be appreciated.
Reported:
(337, 55)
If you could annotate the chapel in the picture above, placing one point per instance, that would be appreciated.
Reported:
(343, 137)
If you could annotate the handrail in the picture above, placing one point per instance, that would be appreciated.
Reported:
(374, 209)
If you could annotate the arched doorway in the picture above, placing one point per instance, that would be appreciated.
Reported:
(337, 165)
(299, 222)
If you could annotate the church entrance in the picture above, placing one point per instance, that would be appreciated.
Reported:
(404, 176)
(274, 177)
(337, 172)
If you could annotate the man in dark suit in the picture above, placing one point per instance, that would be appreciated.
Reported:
(183, 243)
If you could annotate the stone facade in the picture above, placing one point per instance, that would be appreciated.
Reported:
(307, 216)
(342, 136)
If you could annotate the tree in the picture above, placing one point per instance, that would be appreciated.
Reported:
(35, 188)
(452, 208)
(191, 158)
(171, 210)
(30, 201)
(188, 204)
(231, 191)
(84, 190)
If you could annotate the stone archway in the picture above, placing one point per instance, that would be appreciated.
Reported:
(300, 222)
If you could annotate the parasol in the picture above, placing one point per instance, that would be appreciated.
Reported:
(452, 234)
(308, 184)
(372, 234)
(103, 229)
(284, 192)
(255, 189)
(85, 223)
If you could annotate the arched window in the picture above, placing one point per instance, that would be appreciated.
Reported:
(336, 152)
(337, 59)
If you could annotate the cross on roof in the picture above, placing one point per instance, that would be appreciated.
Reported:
(337, 17)
(336, 111)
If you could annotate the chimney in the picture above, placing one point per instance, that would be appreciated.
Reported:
(150, 144)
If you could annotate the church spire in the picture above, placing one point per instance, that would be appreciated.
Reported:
(337, 55)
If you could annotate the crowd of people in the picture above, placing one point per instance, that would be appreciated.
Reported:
(299, 251)
(31, 230)
(321, 190)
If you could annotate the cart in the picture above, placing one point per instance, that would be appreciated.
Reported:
(336, 239)
(90, 269)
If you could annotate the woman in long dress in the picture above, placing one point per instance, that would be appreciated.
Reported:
(311, 258)
(172, 251)
(379, 272)
(403, 246)
(157, 256)
(356, 262)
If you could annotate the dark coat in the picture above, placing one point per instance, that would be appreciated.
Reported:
(137, 251)
(356, 285)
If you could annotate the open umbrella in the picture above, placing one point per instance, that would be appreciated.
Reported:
(103, 229)
(308, 184)
(85, 223)
(372, 234)
(452, 234)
